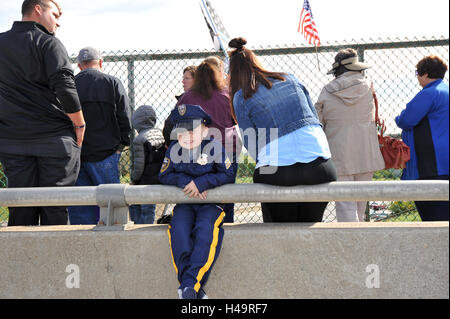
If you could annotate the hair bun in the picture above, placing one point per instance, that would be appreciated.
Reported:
(237, 43)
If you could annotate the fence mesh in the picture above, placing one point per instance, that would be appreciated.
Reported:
(154, 78)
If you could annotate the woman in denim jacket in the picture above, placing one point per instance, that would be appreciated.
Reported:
(281, 131)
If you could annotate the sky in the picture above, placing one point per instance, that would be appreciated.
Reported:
(158, 25)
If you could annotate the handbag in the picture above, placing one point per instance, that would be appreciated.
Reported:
(394, 151)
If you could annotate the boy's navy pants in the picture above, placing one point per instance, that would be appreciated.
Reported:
(195, 235)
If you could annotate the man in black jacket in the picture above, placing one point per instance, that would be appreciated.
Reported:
(41, 122)
(107, 113)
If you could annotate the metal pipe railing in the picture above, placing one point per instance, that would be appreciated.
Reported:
(113, 199)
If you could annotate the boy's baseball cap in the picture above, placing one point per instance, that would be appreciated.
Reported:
(88, 54)
(189, 116)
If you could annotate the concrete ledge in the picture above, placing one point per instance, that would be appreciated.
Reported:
(323, 260)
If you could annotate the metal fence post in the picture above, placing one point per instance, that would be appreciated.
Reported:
(113, 206)
(361, 54)
(131, 86)
(132, 98)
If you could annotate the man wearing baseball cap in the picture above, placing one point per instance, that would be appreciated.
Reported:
(107, 114)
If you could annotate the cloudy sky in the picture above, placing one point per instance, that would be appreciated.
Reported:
(178, 24)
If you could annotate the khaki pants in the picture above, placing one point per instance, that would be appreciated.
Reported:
(352, 211)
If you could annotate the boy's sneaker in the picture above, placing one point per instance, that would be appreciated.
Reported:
(180, 293)
(189, 293)
(201, 294)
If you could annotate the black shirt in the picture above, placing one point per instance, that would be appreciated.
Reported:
(37, 86)
(106, 112)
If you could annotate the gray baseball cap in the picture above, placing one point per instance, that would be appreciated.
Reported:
(88, 54)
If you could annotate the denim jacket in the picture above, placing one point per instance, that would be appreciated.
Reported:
(286, 107)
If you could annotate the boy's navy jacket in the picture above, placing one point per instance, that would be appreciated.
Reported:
(207, 165)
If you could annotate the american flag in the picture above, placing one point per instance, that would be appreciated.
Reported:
(307, 25)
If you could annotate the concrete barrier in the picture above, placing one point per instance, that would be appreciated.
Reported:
(323, 260)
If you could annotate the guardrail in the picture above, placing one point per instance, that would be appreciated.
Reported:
(113, 199)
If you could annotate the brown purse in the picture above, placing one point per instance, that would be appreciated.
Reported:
(394, 151)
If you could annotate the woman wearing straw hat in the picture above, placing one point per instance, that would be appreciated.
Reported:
(346, 110)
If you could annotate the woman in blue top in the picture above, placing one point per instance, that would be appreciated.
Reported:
(425, 130)
(281, 131)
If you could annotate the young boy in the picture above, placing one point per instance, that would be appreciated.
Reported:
(195, 164)
(148, 155)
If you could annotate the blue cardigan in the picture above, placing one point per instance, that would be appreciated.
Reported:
(425, 130)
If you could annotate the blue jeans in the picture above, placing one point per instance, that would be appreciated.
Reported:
(94, 174)
(142, 214)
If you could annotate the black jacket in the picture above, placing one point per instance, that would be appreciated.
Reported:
(37, 85)
(106, 112)
(154, 156)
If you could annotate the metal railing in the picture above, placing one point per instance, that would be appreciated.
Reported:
(113, 199)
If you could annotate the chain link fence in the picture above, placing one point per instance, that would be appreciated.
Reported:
(154, 78)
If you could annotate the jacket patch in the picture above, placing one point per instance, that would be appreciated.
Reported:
(227, 162)
(203, 159)
(165, 164)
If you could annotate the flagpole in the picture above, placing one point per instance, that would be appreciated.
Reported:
(216, 33)
(317, 57)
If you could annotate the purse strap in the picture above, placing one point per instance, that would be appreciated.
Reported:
(378, 122)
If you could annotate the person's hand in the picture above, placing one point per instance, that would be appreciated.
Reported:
(120, 149)
(191, 190)
(79, 132)
(79, 125)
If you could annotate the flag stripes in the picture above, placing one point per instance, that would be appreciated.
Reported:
(307, 26)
